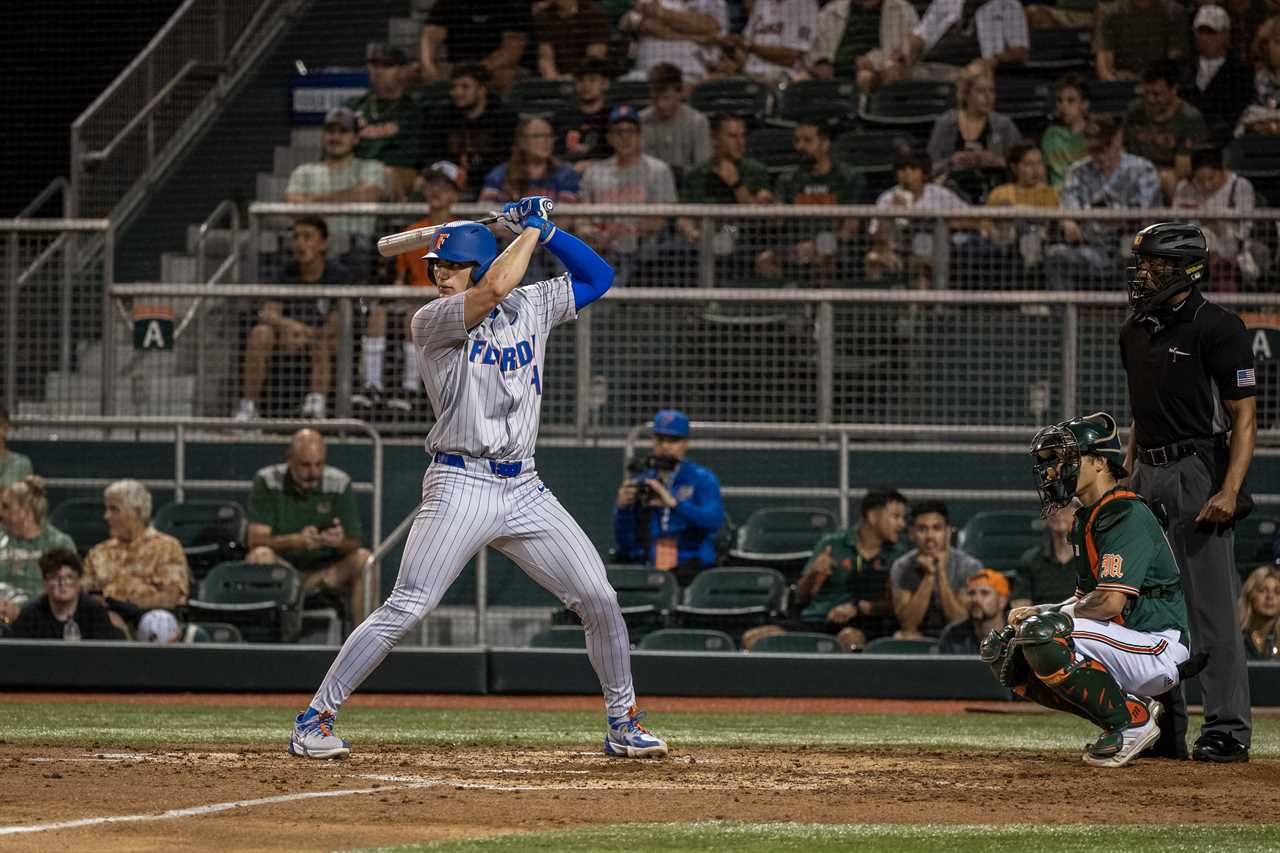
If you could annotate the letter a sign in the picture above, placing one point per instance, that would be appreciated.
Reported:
(153, 327)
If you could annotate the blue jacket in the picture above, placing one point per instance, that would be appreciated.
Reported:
(696, 519)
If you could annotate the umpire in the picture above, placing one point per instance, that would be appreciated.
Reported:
(1192, 392)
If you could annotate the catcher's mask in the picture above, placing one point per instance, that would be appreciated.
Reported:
(1056, 452)
(1168, 258)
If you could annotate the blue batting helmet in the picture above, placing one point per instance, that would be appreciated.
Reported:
(463, 242)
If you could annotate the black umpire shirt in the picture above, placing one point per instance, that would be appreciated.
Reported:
(1182, 367)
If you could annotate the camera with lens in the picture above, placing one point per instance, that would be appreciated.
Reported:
(650, 467)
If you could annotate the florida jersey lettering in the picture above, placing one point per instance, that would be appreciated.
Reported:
(483, 352)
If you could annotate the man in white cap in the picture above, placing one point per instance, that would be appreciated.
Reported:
(1219, 83)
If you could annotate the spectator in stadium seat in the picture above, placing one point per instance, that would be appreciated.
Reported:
(1217, 82)
(1134, 34)
(490, 33)
(855, 38)
(581, 132)
(905, 247)
(970, 143)
(986, 598)
(340, 176)
(775, 43)
(1045, 574)
(674, 528)
(1063, 142)
(476, 130)
(13, 465)
(957, 33)
(568, 32)
(671, 130)
(729, 177)
(628, 177)
(303, 512)
(137, 564)
(845, 586)
(1109, 178)
(533, 168)
(812, 248)
(25, 534)
(1236, 260)
(1260, 614)
(1262, 116)
(390, 122)
(296, 326)
(1163, 128)
(64, 611)
(680, 32)
(927, 581)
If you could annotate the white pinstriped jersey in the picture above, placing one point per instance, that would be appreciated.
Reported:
(485, 384)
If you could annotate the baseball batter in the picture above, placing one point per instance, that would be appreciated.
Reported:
(480, 348)
(1122, 637)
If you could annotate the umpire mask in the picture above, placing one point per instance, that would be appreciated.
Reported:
(1168, 258)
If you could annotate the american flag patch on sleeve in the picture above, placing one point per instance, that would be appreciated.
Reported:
(1245, 378)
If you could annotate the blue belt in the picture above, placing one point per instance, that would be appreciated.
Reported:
(500, 469)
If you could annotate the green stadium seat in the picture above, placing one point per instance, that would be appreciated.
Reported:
(733, 598)
(737, 96)
(542, 97)
(646, 596)
(263, 601)
(891, 646)
(797, 643)
(211, 532)
(909, 103)
(559, 637)
(1058, 49)
(781, 537)
(685, 640)
(773, 146)
(1000, 538)
(633, 92)
(818, 100)
(1253, 543)
(83, 520)
(216, 632)
(1112, 96)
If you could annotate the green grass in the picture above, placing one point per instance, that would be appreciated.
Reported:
(733, 837)
(145, 725)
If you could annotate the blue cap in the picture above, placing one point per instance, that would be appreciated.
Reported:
(624, 112)
(672, 422)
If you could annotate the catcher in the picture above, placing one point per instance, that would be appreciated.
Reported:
(1122, 638)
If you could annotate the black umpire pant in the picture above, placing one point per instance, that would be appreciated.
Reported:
(1211, 584)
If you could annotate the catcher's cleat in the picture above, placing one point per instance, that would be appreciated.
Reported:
(626, 738)
(313, 736)
(1118, 747)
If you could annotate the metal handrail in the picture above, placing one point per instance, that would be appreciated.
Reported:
(57, 185)
(143, 114)
(224, 206)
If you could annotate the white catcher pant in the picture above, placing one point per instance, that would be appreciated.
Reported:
(1141, 663)
(463, 510)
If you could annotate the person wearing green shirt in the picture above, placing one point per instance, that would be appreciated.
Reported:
(1121, 639)
(13, 465)
(1163, 128)
(389, 120)
(25, 535)
(1063, 143)
(303, 512)
(845, 586)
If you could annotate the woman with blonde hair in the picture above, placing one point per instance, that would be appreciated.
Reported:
(971, 142)
(1260, 614)
(25, 535)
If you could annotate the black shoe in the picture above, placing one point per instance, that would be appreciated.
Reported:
(1219, 747)
(366, 401)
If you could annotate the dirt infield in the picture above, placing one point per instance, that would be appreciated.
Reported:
(251, 797)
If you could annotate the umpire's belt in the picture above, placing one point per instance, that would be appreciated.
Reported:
(491, 466)
(1172, 452)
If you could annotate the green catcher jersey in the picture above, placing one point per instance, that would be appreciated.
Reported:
(1119, 546)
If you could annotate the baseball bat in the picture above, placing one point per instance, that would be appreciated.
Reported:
(417, 238)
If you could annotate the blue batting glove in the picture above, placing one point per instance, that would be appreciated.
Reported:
(545, 227)
(532, 205)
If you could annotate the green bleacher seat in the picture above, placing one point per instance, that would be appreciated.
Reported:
(798, 642)
(686, 640)
(633, 92)
(1059, 48)
(536, 96)
(1253, 542)
(891, 646)
(646, 596)
(1112, 96)
(781, 537)
(211, 532)
(216, 632)
(559, 637)
(1000, 538)
(737, 96)
(909, 103)
(773, 146)
(83, 520)
(263, 601)
(817, 100)
(733, 598)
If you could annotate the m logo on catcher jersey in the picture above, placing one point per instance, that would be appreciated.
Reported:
(1110, 567)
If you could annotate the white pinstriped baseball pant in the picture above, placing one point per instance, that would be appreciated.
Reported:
(463, 510)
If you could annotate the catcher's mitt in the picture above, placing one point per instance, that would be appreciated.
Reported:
(1005, 659)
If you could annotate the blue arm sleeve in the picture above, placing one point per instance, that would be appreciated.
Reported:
(591, 273)
(705, 509)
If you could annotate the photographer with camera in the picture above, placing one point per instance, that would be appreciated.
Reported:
(668, 510)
